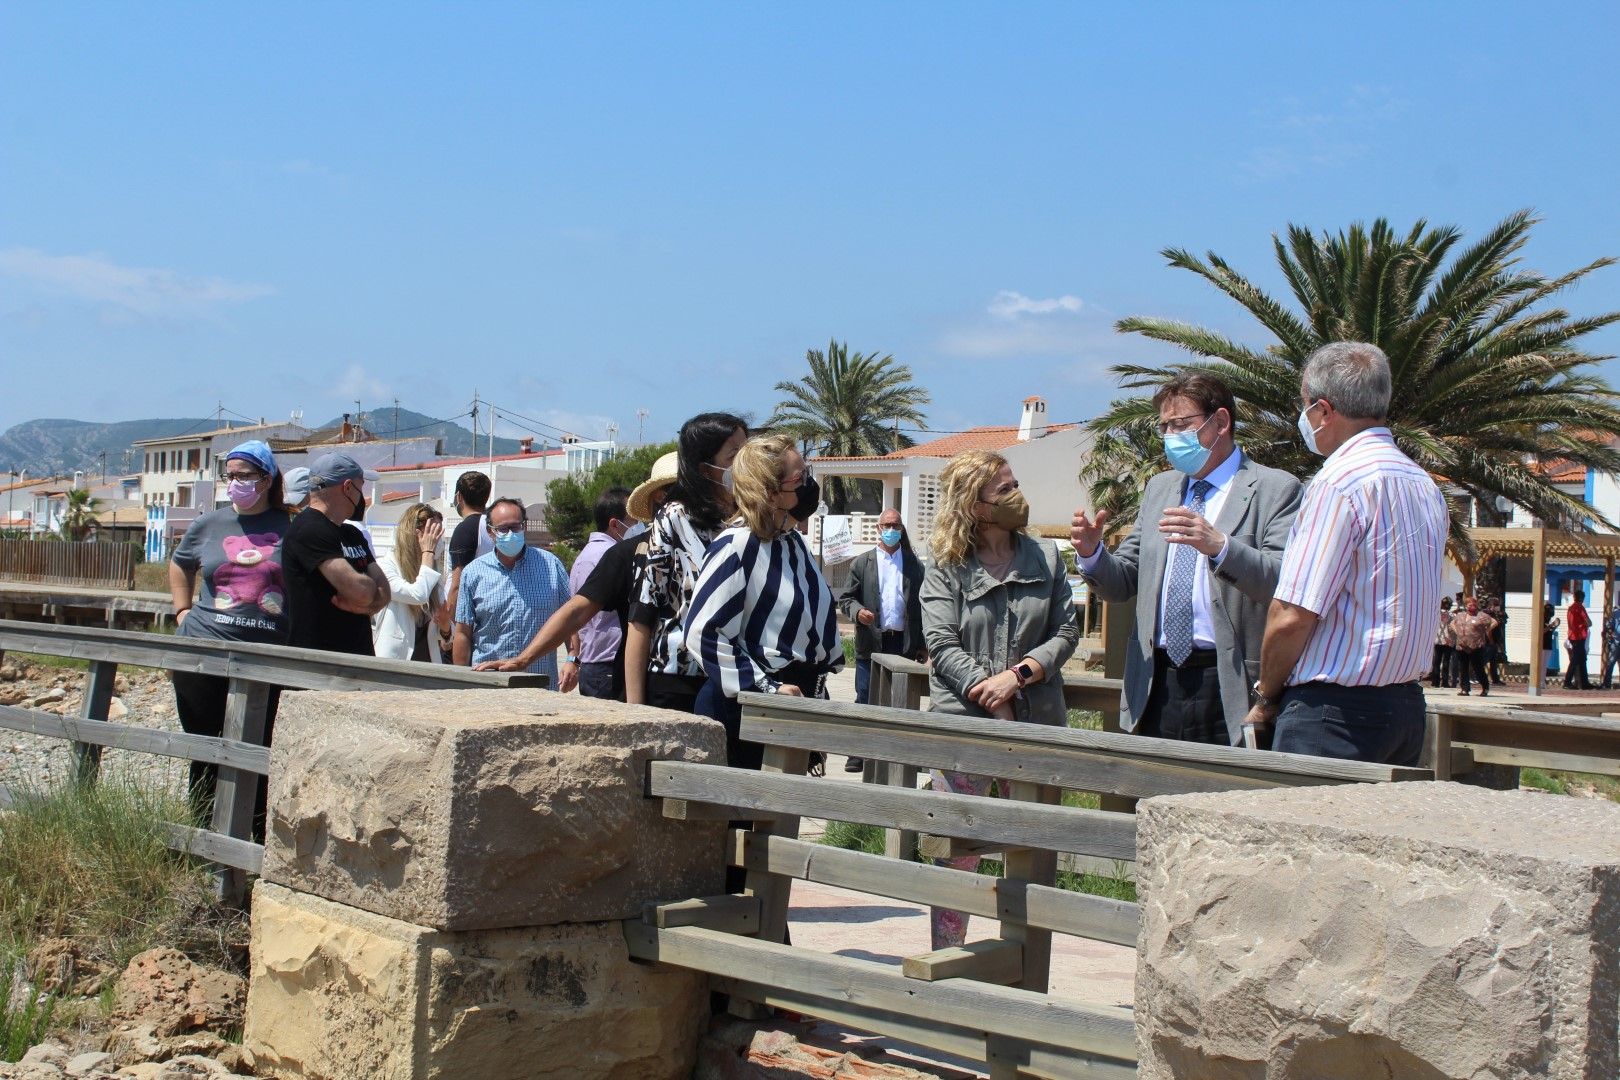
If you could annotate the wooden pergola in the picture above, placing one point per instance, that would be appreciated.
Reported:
(1542, 546)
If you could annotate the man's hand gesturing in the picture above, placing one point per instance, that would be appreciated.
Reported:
(1086, 532)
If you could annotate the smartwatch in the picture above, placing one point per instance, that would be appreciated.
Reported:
(1025, 673)
(570, 659)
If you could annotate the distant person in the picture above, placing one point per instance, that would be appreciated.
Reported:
(1473, 627)
(600, 637)
(411, 626)
(1577, 629)
(1611, 647)
(469, 539)
(998, 620)
(507, 596)
(1550, 623)
(762, 618)
(610, 586)
(661, 668)
(881, 598)
(237, 552)
(1445, 648)
(296, 485)
(334, 584)
(1351, 629)
(1201, 562)
(1496, 657)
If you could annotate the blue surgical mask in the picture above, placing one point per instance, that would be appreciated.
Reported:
(1307, 432)
(510, 544)
(1185, 452)
(890, 537)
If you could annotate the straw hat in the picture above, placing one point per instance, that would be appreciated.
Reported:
(639, 504)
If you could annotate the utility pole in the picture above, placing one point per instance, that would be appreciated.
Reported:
(472, 451)
(396, 431)
(641, 426)
(103, 456)
(492, 433)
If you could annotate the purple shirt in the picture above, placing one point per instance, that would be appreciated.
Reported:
(599, 638)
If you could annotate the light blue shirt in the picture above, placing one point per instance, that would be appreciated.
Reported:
(506, 608)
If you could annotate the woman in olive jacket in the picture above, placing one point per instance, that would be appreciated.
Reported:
(998, 620)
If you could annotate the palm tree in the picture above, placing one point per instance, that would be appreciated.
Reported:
(849, 406)
(80, 515)
(1487, 377)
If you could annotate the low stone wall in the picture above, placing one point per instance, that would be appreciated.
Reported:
(1410, 930)
(443, 880)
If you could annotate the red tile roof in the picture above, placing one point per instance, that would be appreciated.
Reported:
(979, 438)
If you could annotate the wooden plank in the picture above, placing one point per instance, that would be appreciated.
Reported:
(1545, 759)
(729, 913)
(689, 810)
(242, 856)
(781, 766)
(235, 791)
(900, 843)
(1015, 1058)
(93, 709)
(1029, 866)
(992, 960)
(1058, 828)
(1055, 909)
(1099, 1029)
(172, 744)
(767, 717)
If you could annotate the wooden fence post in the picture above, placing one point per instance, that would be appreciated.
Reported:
(235, 791)
(905, 692)
(97, 701)
(773, 890)
(1029, 866)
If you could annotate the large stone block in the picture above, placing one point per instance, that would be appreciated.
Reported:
(1411, 930)
(476, 809)
(338, 993)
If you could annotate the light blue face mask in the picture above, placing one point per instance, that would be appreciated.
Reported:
(1185, 452)
(510, 544)
(890, 537)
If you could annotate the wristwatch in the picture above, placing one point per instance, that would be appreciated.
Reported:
(1025, 673)
(1261, 699)
(570, 659)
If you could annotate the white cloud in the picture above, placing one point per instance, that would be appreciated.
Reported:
(1007, 304)
(149, 292)
(358, 383)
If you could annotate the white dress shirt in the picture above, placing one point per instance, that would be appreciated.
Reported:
(1220, 482)
(891, 590)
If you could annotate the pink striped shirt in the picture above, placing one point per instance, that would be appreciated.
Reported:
(1365, 555)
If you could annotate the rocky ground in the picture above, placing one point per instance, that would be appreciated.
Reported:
(141, 696)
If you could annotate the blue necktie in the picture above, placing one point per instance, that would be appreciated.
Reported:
(1178, 600)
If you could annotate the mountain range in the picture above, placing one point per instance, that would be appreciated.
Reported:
(57, 446)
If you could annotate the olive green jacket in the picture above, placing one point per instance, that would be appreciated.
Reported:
(976, 627)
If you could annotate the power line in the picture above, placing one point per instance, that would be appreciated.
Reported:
(508, 414)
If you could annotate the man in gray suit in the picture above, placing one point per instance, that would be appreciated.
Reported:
(1202, 562)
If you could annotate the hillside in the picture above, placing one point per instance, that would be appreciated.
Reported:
(49, 446)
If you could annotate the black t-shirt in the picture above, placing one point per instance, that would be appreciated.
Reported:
(609, 587)
(466, 541)
(317, 623)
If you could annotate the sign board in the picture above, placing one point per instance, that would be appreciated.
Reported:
(837, 545)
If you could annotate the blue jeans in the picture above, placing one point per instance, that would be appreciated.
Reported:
(889, 641)
(1382, 724)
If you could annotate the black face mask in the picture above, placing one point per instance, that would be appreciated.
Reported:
(809, 499)
(359, 508)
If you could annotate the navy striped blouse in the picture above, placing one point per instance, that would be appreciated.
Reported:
(758, 607)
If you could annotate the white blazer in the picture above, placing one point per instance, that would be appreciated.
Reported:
(393, 629)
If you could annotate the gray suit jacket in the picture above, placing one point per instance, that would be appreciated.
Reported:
(1256, 517)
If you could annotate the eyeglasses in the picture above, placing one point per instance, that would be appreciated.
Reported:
(513, 531)
(1177, 424)
(245, 477)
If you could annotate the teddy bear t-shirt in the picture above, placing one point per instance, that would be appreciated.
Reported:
(237, 557)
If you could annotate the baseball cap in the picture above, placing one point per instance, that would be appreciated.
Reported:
(332, 469)
(295, 485)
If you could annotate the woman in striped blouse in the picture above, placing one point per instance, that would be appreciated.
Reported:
(762, 618)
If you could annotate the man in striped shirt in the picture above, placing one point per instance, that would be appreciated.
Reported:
(1351, 623)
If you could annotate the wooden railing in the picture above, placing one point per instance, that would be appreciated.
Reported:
(988, 1000)
(239, 752)
(68, 562)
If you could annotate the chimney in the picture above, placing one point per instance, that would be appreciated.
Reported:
(347, 434)
(526, 444)
(1032, 425)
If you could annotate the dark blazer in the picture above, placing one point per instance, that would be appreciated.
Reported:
(862, 592)
(1256, 518)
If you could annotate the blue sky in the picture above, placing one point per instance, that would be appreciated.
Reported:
(582, 210)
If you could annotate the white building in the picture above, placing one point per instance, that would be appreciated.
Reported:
(181, 470)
